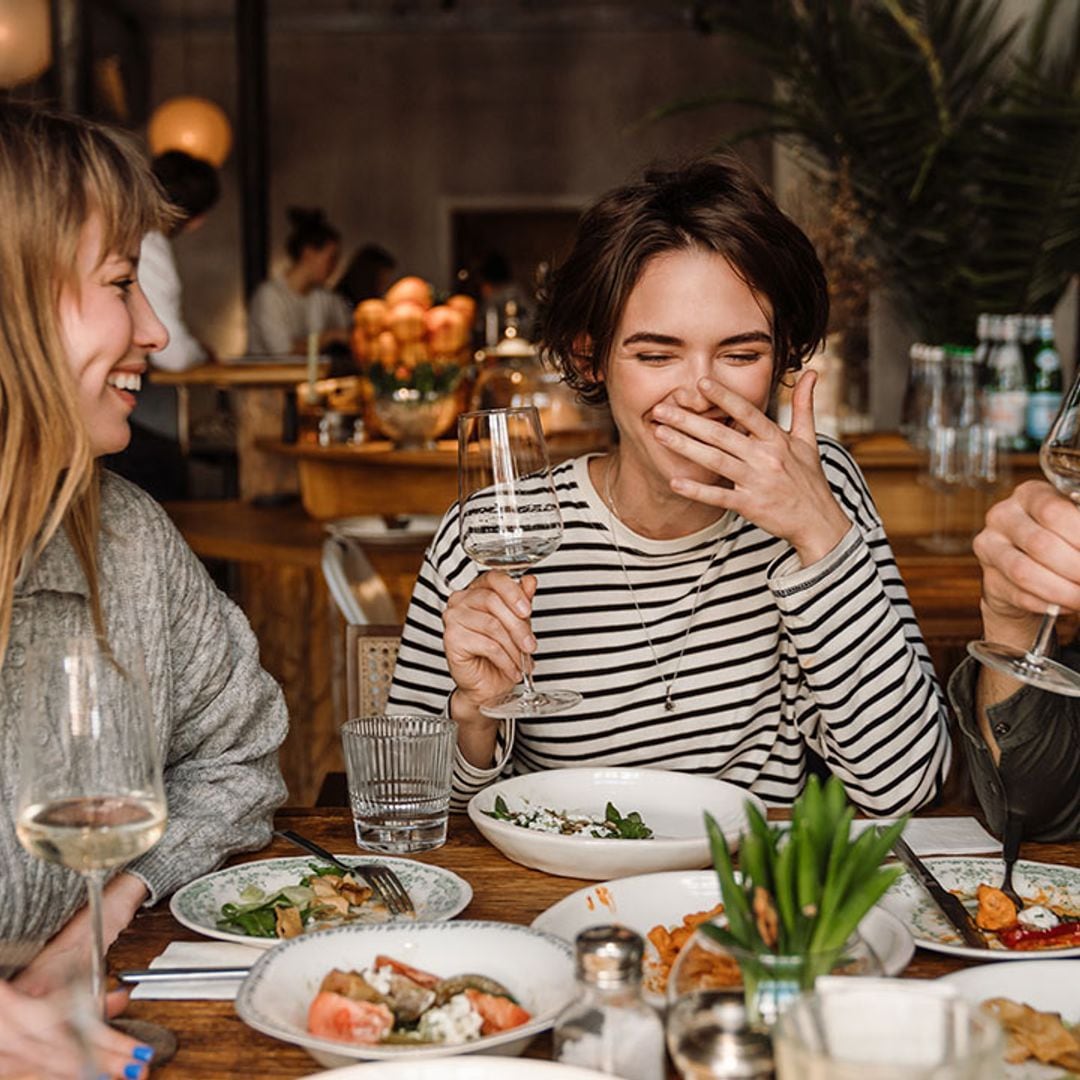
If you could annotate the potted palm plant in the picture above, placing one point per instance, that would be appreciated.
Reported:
(955, 132)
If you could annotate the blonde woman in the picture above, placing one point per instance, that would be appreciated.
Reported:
(83, 551)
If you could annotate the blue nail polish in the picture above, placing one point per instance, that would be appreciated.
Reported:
(143, 1053)
(133, 1071)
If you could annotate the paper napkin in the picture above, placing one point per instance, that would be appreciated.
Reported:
(942, 836)
(198, 954)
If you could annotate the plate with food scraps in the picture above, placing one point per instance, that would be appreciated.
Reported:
(1038, 1005)
(396, 990)
(1045, 887)
(246, 903)
(665, 909)
(608, 822)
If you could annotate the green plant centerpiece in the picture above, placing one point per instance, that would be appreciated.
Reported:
(792, 912)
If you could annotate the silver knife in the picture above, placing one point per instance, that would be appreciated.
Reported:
(950, 906)
(183, 974)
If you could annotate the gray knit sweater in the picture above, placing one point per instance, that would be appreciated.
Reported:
(218, 716)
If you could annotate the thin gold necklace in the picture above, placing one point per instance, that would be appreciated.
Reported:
(668, 684)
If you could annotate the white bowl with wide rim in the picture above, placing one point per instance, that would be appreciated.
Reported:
(537, 968)
(672, 804)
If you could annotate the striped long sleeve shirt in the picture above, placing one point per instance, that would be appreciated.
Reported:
(778, 657)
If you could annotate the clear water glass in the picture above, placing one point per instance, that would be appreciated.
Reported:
(400, 771)
(886, 1029)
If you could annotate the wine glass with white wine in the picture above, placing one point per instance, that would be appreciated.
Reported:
(1060, 461)
(509, 519)
(90, 792)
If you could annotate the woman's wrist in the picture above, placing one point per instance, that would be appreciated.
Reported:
(476, 732)
(823, 536)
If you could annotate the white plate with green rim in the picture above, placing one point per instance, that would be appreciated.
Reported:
(437, 894)
(1046, 985)
(1039, 883)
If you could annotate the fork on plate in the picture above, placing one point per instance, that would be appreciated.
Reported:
(1010, 849)
(387, 885)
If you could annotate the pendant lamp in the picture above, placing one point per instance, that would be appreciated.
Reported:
(25, 46)
(192, 124)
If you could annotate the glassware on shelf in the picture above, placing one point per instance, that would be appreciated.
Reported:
(1060, 461)
(509, 519)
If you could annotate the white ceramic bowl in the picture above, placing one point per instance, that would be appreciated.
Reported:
(643, 902)
(672, 804)
(537, 968)
(461, 1068)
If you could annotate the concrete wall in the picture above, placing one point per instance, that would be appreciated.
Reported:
(388, 131)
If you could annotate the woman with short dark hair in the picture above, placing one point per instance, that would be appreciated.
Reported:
(724, 597)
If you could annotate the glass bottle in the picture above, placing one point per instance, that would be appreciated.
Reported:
(608, 1026)
(1006, 388)
(1045, 387)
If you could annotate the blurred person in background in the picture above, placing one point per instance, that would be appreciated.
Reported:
(368, 275)
(153, 459)
(1022, 744)
(286, 309)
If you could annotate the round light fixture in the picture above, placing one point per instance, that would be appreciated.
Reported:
(25, 46)
(192, 124)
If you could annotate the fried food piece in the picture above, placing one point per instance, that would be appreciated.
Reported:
(1031, 1033)
(287, 922)
(996, 910)
(668, 943)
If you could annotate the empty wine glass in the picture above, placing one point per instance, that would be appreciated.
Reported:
(90, 794)
(1060, 461)
(509, 519)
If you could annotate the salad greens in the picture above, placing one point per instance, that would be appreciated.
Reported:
(257, 912)
(613, 826)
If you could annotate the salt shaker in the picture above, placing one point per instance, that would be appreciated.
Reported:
(609, 1027)
(710, 1038)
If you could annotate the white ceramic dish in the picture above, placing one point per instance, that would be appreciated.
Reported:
(1046, 985)
(651, 899)
(536, 967)
(672, 804)
(473, 1067)
(1045, 882)
(374, 530)
(437, 894)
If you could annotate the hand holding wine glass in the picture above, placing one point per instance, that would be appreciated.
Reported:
(1060, 461)
(90, 791)
(509, 520)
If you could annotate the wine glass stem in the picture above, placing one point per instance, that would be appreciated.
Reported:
(94, 881)
(1042, 638)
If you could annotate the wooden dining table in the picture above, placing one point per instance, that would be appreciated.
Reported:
(215, 1042)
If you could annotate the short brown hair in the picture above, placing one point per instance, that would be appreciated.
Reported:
(713, 203)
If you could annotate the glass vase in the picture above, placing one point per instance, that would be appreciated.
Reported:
(707, 971)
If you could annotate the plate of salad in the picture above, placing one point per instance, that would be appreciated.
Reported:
(606, 823)
(262, 903)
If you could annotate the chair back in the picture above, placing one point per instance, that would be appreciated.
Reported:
(360, 593)
(370, 655)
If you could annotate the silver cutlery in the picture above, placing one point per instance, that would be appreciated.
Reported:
(387, 885)
(180, 974)
(950, 906)
(1010, 850)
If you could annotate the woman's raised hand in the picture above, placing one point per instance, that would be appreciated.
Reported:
(1029, 550)
(486, 633)
(778, 482)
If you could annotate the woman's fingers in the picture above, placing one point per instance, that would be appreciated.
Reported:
(802, 409)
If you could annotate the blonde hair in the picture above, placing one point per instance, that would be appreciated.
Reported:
(55, 172)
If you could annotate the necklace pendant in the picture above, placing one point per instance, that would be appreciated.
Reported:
(669, 705)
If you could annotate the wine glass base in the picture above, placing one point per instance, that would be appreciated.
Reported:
(520, 702)
(1042, 672)
(160, 1039)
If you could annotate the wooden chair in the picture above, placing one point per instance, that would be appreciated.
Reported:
(370, 654)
